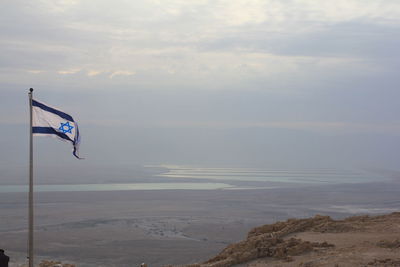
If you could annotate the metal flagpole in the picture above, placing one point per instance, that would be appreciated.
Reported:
(30, 237)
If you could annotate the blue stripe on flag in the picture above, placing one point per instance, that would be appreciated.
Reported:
(52, 110)
(49, 130)
(76, 142)
(74, 153)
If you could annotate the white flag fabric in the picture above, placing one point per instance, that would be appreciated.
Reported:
(50, 121)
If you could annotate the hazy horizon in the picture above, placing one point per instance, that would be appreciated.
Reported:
(273, 84)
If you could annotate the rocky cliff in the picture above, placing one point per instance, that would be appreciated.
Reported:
(317, 241)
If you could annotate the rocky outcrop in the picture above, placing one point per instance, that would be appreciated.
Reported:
(277, 240)
(269, 241)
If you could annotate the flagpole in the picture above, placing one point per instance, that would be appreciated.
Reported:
(30, 235)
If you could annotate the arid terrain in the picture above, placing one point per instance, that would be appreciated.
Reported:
(317, 241)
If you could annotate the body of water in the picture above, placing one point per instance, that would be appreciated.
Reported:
(314, 176)
(217, 179)
(116, 187)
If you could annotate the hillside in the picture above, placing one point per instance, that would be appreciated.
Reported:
(317, 241)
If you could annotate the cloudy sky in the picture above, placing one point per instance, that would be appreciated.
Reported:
(273, 83)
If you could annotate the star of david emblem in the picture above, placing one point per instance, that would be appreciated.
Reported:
(66, 128)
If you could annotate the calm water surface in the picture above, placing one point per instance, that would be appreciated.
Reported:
(116, 187)
(314, 176)
(216, 179)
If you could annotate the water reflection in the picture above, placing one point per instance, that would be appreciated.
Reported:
(117, 187)
(319, 176)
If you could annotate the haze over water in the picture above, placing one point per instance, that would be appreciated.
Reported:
(304, 92)
(212, 178)
(316, 176)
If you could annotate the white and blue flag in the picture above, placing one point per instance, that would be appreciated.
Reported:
(50, 121)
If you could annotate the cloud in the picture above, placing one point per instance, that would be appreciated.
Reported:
(121, 73)
(236, 13)
(66, 72)
(36, 71)
(192, 40)
(93, 73)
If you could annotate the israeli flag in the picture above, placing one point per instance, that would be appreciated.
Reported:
(50, 121)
